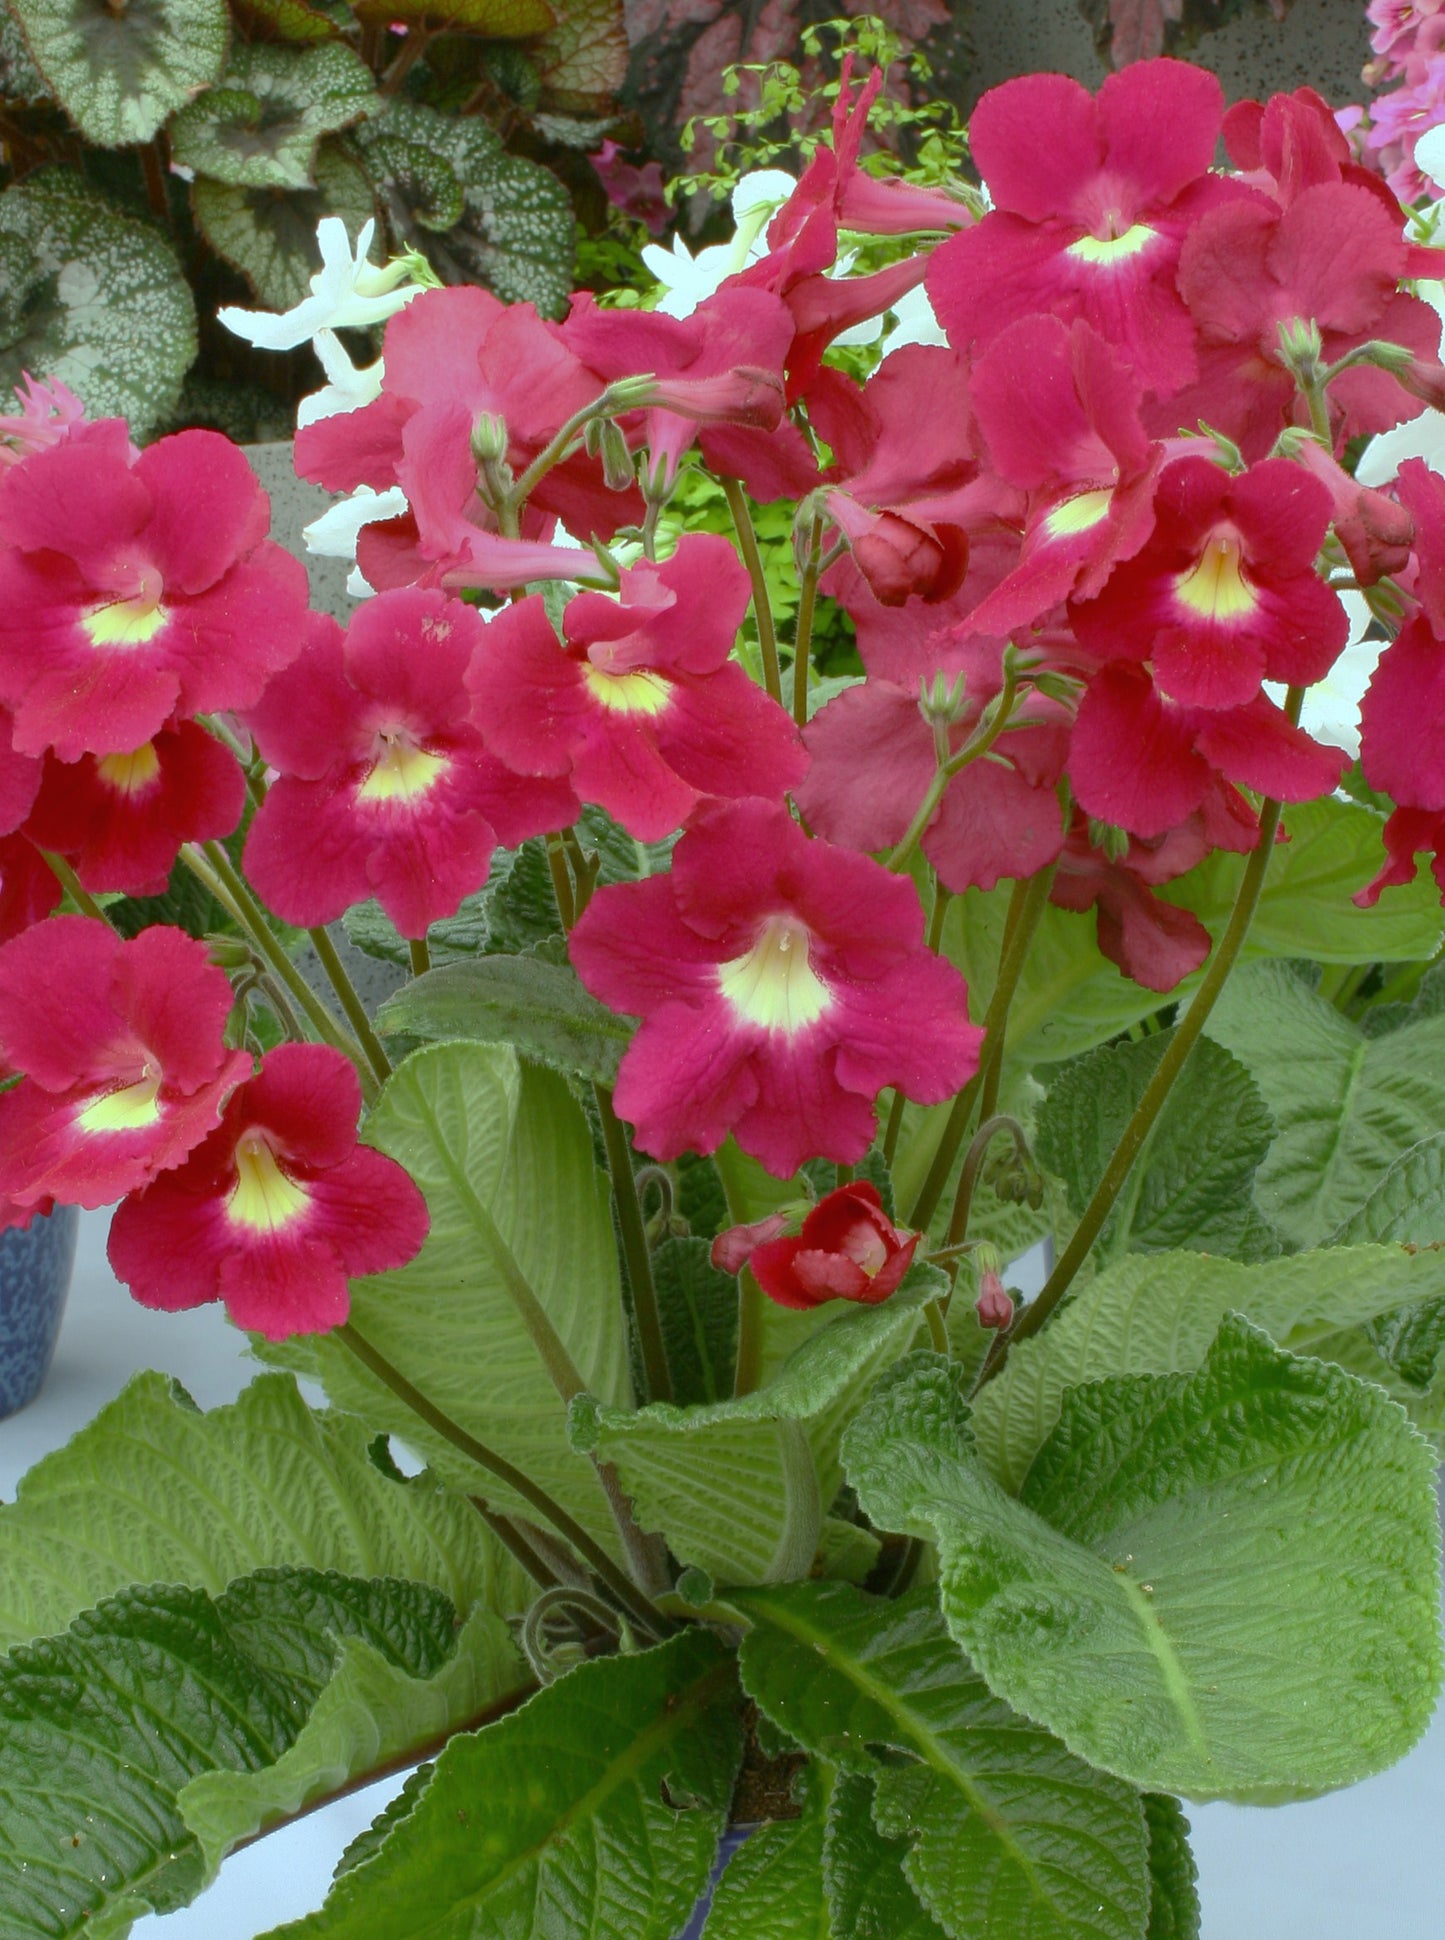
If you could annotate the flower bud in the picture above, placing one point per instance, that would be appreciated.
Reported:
(732, 1250)
(489, 439)
(993, 1306)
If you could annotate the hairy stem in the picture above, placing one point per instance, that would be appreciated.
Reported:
(1026, 906)
(1187, 1032)
(635, 1249)
(628, 1596)
(762, 604)
(73, 887)
(350, 1002)
(803, 636)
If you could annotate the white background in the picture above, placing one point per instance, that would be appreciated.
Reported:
(1359, 1865)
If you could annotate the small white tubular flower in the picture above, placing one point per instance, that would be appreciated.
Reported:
(914, 321)
(689, 280)
(1430, 155)
(347, 292)
(347, 388)
(335, 533)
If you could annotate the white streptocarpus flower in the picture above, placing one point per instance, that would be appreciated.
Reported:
(335, 533)
(347, 388)
(689, 280)
(347, 292)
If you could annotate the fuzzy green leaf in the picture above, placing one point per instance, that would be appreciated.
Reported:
(867, 1888)
(698, 1307)
(119, 71)
(773, 1887)
(1191, 1185)
(259, 127)
(594, 1812)
(1346, 1105)
(1223, 1584)
(153, 1490)
(1071, 998)
(271, 238)
(736, 1487)
(1159, 1315)
(516, 233)
(1004, 1831)
(492, 19)
(1173, 1875)
(294, 21)
(540, 1007)
(94, 298)
(112, 1727)
(497, 1147)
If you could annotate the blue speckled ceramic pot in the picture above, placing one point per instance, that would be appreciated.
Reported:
(35, 1263)
(727, 1846)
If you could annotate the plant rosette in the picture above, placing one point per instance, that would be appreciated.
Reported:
(803, 908)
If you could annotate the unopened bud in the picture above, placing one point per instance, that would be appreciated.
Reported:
(941, 701)
(1302, 349)
(229, 953)
(617, 468)
(732, 1250)
(1111, 841)
(993, 1306)
(489, 439)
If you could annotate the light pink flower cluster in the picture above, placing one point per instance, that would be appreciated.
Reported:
(1409, 49)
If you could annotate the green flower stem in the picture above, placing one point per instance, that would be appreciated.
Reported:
(1032, 1317)
(350, 1002)
(635, 1249)
(937, 1328)
(892, 1129)
(752, 1306)
(972, 1164)
(626, 1593)
(561, 883)
(803, 636)
(762, 604)
(228, 889)
(1026, 906)
(552, 454)
(420, 955)
(71, 884)
(512, 1539)
(978, 745)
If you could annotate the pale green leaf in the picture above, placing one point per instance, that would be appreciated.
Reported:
(497, 1147)
(94, 298)
(538, 1006)
(1346, 1105)
(1191, 1183)
(1159, 1315)
(366, 1719)
(1070, 997)
(153, 1490)
(119, 71)
(259, 127)
(594, 1812)
(1408, 1203)
(1003, 1830)
(108, 1725)
(1223, 1584)
(772, 1888)
(271, 238)
(735, 1487)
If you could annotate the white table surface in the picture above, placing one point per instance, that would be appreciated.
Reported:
(1364, 1864)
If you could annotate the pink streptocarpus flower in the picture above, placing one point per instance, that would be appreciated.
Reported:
(782, 984)
(134, 588)
(48, 414)
(1092, 199)
(124, 1065)
(277, 1209)
(638, 706)
(120, 819)
(385, 788)
(848, 1249)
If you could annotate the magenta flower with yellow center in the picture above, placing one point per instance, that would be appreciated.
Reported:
(124, 1063)
(782, 983)
(277, 1210)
